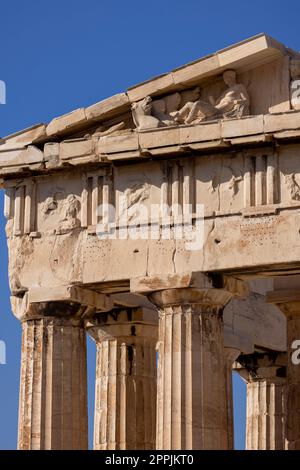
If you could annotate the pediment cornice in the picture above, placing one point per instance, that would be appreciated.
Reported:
(241, 57)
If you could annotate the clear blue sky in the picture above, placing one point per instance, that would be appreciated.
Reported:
(60, 55)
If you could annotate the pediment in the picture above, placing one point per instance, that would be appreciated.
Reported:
(258, 53)
(261, 86)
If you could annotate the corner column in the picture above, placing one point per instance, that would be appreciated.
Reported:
(265, 375)
(191, 402)
(53, 382)
(53, 387)
(125, 395)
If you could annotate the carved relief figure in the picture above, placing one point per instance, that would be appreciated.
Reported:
(116, 129)
(295, 84)
(163, 108)
(64, 210)
(141, 113)
(233, 185)
(187, 107)
(166, 109)
(71, 207)
(132, 198)
(49, 205)
(233, 103)
(23, 248)
(293, 186)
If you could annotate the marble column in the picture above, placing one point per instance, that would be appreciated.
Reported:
(265, 375)
(125, 395)
(292, 432)
(191, 406)
(230, 355)
(53, 387)
(293, 379)
(286, 295)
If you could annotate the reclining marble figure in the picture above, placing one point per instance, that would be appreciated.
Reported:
(233, 103)
(173, 110)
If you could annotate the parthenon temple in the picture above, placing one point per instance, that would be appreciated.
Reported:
(164, 222)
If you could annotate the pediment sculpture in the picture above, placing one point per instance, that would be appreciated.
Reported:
(295, 83)
(188, 107)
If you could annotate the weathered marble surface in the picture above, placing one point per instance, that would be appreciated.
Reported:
(221, 135)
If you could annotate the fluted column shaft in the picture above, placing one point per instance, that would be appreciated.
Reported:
(286, 295)
(265, 375)
(125, 395)
(53, 388)
(265, 414)
(292, 431)
(191, 410)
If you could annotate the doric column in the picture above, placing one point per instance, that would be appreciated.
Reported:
(293, 376)
(53, 384)
(230, 355)
(53, 389)
(265, 375)
(286, 296)
(125, 402)
(192, 412)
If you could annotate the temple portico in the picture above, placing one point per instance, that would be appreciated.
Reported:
(164, 222)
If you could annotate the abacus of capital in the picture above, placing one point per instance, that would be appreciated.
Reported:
(171, 312)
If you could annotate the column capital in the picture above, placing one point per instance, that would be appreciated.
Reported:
(231, 354)
(124, 323)
(72, 302)
(149, 284)
(255, 367)
(209, 299)
(211, 291)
